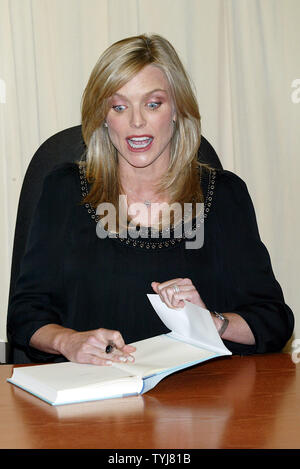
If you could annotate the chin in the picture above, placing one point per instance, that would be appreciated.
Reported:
(144, 160)
(140, 163)
(139, 160)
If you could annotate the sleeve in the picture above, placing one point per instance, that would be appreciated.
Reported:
(253, 291)
(38, 296)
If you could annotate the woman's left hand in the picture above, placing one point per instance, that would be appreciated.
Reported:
(174, 292)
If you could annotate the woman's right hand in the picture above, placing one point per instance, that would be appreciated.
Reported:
(83, 347)
(89, 347)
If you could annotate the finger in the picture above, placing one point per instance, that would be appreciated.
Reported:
(88, 353)
(182, 296)
(114, 337)
(127, 354)
(95, 360)
(165, 290)
(185, 281)
(129, 348)
(168, 283)
(154, 285)
(120, 351)
(157, 286)
(97, 342)
(97, 355)
(176, 298)
(166, 296)
(118, 356)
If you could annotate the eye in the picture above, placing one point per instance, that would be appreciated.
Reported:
(119, 107)
(153, 105)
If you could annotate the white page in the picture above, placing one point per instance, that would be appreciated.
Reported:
(191, 323)
(163, 352)
(67, 375)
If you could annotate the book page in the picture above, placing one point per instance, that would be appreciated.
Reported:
(66, 375)
(191, 324)
(162, 352)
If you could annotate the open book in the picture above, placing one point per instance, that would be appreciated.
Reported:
(193, 339)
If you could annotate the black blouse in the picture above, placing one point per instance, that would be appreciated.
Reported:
(70, 276)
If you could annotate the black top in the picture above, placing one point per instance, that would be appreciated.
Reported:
(71, 277)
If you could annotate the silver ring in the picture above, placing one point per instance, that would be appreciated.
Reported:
(176, 289)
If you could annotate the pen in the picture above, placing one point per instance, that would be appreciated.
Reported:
(109, 347)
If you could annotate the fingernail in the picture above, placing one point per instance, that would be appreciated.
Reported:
(123, 359)
(108, 362)
(131, 359)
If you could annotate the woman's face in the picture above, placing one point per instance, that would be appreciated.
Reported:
(141, 120)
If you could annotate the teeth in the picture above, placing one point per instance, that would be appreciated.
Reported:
(139, 139)
(139, 142)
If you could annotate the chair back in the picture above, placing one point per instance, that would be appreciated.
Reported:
(65, 146)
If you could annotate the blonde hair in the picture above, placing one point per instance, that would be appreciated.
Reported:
(116, 66)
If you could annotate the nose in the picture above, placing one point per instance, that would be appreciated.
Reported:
(137, 118)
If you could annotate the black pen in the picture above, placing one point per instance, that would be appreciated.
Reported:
(109, 348)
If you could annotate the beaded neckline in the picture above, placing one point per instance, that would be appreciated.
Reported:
(160, 241)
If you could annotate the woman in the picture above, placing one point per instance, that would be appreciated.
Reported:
(78, 292)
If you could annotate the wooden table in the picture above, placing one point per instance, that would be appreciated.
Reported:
(232, 402)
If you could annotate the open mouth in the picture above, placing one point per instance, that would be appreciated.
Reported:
(139, 143)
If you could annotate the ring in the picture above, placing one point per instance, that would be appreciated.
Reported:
(176, 289)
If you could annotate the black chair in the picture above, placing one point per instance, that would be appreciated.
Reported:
(65, 146)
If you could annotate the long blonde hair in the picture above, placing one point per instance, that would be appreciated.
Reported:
(116, 66)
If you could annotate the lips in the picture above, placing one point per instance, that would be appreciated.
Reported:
(139, 142)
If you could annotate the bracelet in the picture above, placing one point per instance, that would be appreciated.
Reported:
(224, 320)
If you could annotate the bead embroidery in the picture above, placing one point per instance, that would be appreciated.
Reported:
(155, 243)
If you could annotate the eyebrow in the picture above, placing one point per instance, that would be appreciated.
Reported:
(146, 94)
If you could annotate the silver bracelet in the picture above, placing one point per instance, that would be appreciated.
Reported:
(224, 320)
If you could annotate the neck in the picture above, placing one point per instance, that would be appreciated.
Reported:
(141, 183)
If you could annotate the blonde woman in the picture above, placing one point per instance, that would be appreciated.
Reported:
(86, 272)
